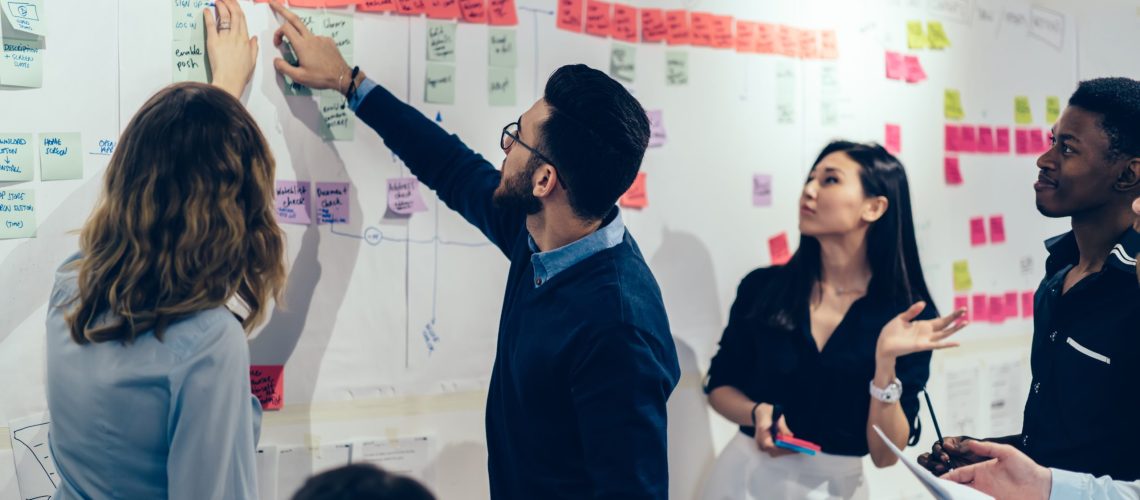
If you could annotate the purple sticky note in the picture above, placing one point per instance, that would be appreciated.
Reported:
(332, 202)
(656, 128)
(762, 190)
(404, 196)
(292, 199)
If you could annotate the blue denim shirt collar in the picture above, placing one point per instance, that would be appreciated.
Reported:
(548, 264)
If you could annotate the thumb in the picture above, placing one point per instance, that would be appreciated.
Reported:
(253, 49)
(962, 475)
(988, 449)
(782, 427)
(287, 69)
(913, 311)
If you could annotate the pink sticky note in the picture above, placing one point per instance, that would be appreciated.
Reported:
(1010, 305)
(977, 231)
(701, 27)
(997, 229)
(985, 139)
(997, 309)
(502, 13)
(570, 15)
(267, 382)
(1027, 304)
(953, 171)
(828, 45)
(657, 134)
(762, 190)
(746, 36)
(376, 5)
(442, 9)
(404, 196)
(789, 41)
(292, 199)
(1001, 140)
(914, 71)
(962, 302)
(980, 311)
(1022, 142)
(809, 44)
(968, 139)
(473, 11)
(653, 27)
(893, 138)
(332, 202)
(953, 138)
(410, 7)
(636, 196)
(778, 249)
(624, 26)
(766, 38)
(1037, 141)
(677, 24)
(722, 32)
(896, 66)
(598, 18)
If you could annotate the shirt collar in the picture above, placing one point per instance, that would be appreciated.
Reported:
(1063, 251)
(550, 263)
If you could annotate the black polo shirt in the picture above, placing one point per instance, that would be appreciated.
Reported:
(1082, 412)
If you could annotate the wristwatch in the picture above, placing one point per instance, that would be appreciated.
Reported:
(890, 394)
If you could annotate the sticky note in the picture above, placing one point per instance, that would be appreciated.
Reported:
(722, 32)
(61, 157)
(896, 66)
(623, 62)
(636, 196)
(1001, 140)
(332, 202)
(953, 135)
(440, 41)
(293, 202)
(977, 231)
(676, 68)
(17, 157)
(786, 83)
(1022, 114)
(766, 37)
(761, 190)
(404, 196)
(893, 138)
(936, 35)
(339, 121)
(788, 37)
(700, 29)
(745, 36)
(952, 105)
(376, 5)
(410, 7)
(442, 9)
(1037, 141)
(1022, 141)
(27, 16)
(962, 280)
(657, 134)
(914, 71)
(189, 61)
(268, 383)
(22, 62)
(829, 46)
(339, 27)
(1027, 304)
(570, 15)
(439, 84)
(677, 24)
(624, 25)
(962, 303)
(985, 139)
(188, 20)
(778, 249)
(598, 18)
(981, 308)
(1010, 301)
(809, 44)
(952, 171)
(915, 37)
(653, 27)
(997, 309)
(501, 86)
(17, 213)
(967, 139)
(475, 11)
(502, 13)
(1052, 109)
(501, 48)
(997, 229)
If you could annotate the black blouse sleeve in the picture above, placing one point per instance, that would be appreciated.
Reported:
(913, 370)
(735, 362)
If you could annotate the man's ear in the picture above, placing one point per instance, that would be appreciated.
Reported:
(545, 179)
(1129, 179)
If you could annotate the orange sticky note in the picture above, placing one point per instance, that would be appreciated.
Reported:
(598, 18)
(1027, 304)
(636, 196)
(997, 229)
(953, 171)
(766, 37)
(914, 71)
(745, 36)
(985, 139)
(896, 66)
(442, 9)
(502, 13)
(677, 22)
(977, 231)
(268, 383)
(701, 25)
(624, 23)
(893, 138)
(1001, 140)
(653, 27)
(307, 4)
(809, 44)
(474, 11)
(828, 45)
(340, 3)
(376, 5)
(410, 7)
(789, 41)
(722, 32)
(570, 15)
(778, 249)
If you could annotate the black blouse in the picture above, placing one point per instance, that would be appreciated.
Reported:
(824, 393)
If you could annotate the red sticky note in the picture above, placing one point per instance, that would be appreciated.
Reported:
(268, 384)
(997, 229)
(977, 231)
(766, 38)
(778, 249)
(677, 24)
(1027, 304)
(624, 23)
(953, 171)
(1010, 305)
(1037, 141)
(653, 27)
(474, 11)
(1022, 142)
(967, 139)
(893, 138)
(789, 41)
(1001, 140)
(985, 139)
(722, 32)
(337, 3)
(981, 310)
(410, 7)
(997, 309)
(570, 15)
(896, 66)
(376, 5)
(962, 302)
(635, 196)
(914, 71)
(828, 45)
(308, 4)
(502, 13)
(442, 9)
(745, 36)
(701, 26)
(598, 18)
(953, 135)
(809, 44)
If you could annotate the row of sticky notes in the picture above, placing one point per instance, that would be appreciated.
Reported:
(17, 213)
(934, 37)
(636, 196)
(699, 29)
(982, 308)
(293, 201)
(977, 139)
(978, 230)
(904, 67)
(493, 12)
(61, 157)
(1023, 112)
(22, 47)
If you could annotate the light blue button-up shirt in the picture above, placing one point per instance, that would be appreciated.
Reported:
(1073, 486)
(171, 419)
(550, 263)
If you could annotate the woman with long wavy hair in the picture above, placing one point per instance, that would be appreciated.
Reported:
(147, 361)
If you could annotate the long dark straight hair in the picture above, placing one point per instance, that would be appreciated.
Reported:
(896, 273)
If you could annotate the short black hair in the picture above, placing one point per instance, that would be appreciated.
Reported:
(361, 482)
(596, 136)
(1117, 101)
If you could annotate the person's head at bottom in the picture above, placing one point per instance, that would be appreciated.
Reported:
(361, 482)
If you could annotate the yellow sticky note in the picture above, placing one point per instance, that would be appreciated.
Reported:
(962, 281)
(915, 37)
(1052, 109)
(937, 35)
(1022, 114)
(952, 105)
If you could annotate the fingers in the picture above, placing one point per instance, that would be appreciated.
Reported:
(990, 450)
(253, 49)
(954, 328)
(782, 427)
(913, 311)
(225, 18)
(238, 18)
(941, 323)
(287, 69)
(211, 26)
(962, 475)
(288, 33)
(290, 18)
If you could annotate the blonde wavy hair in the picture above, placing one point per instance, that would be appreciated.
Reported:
(185, 222)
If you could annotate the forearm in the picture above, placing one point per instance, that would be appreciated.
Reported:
(889, 417)
(732, 404)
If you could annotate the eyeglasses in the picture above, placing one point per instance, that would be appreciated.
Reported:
(511, 136)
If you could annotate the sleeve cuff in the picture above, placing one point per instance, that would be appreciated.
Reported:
(362, 91)
(1068, 485)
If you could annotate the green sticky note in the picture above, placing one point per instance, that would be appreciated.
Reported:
(501, 86)
(622, 62)
(189, 22)
(915, 38)
(952, 105)
(962, 280)
(21, 63)
(340, 122)
(1052, 109)
(1022, 114)
(17, 213)
(936, 35)
(188, 62)
(501, 48)
(340, 28)
(17, 157)
(439, 84)
(26, 17)
(440, 41)
(786, 83)
(61, 157)
(676, 68)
